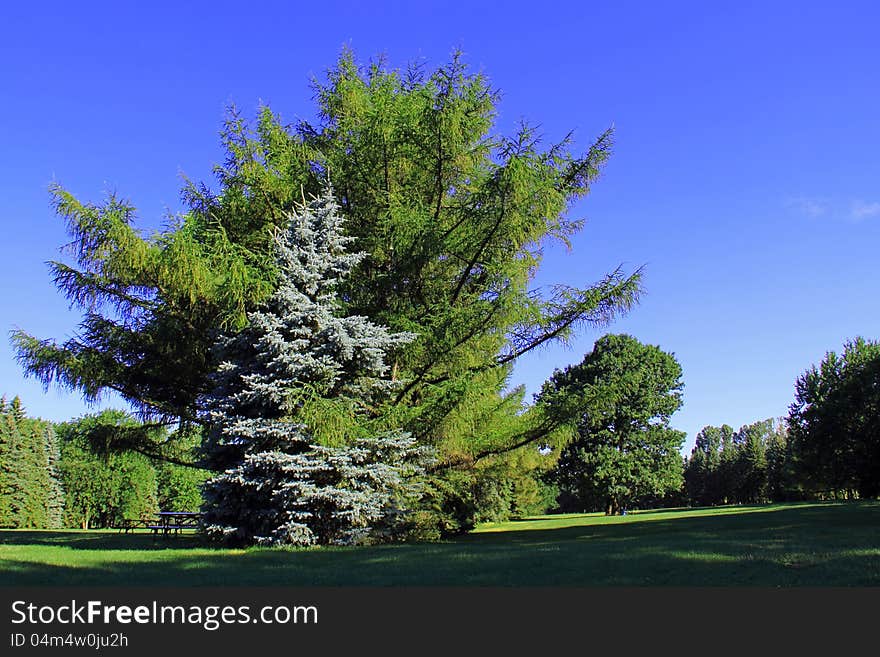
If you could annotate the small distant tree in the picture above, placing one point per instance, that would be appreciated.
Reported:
(834, 422)
(779, 475)
(624, 393)
(703, 476)
(292, 414)
(751, 462)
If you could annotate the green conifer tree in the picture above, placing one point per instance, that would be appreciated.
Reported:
(297, 363)
(17, 410)
(25, 477)
(30, 488)
(7, 443)
(454, 216)
(34, 512)
(55, 493)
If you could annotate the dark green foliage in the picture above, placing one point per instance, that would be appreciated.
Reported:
(55, 493)
(30, 490)
(448, 508)
(620, 398)
(8, 445)
(507, 486)
(514, 486)
(103, 489)
(834, 423)
(739, 467)
(30, 497)
(702, 472)
(179, 487)
(751, 473)
(779, 473)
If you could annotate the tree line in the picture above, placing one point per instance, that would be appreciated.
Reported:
(53, 476)
(622, 454)
(750, 465)
(827, 447)
(31, 492)
(625, 455)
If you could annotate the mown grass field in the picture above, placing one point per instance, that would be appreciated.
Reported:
(825, 544)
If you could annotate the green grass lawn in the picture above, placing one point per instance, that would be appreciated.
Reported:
(826, 544)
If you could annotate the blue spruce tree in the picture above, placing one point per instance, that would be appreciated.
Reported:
(279, 484)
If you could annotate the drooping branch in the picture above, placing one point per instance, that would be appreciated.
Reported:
(110, 437)
(87, 289)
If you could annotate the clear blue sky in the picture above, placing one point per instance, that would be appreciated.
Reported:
(745, 175)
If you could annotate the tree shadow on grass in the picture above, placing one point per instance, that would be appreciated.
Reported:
(823, 545)
(94, 540)
(638, 568)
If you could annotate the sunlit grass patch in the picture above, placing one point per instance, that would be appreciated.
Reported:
(833, 544)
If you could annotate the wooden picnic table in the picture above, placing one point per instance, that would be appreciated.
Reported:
(165, 522)
(174, 521)
(130, 524)
(168, 522)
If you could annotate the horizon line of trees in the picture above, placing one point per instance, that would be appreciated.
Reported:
(53, 476)
(827, 447)
(31, 493)
(745, 466)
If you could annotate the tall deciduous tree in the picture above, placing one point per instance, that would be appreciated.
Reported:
(779, 473)
(834, 422)
(102, 489)
(751, 465)
(621, 396)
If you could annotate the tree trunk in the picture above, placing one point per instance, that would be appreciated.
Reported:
(612, 508)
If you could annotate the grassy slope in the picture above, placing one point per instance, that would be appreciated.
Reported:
(776, 545)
